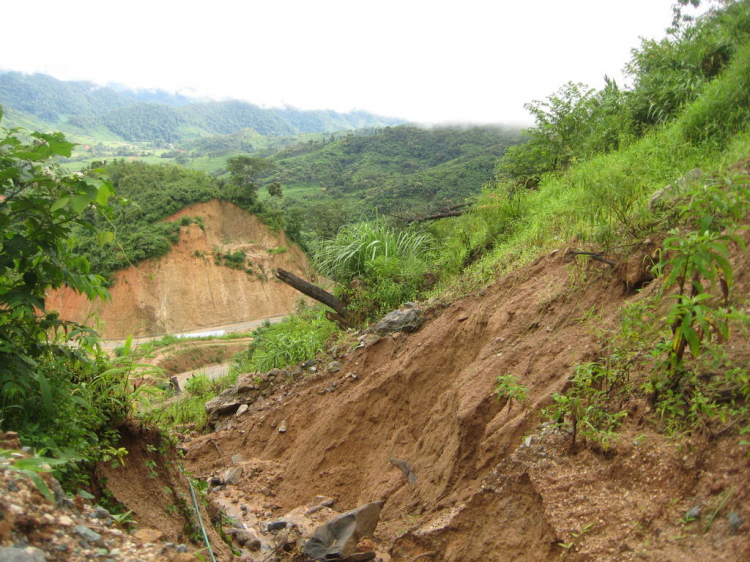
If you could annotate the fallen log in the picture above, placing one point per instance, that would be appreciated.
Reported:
(456, 211)
(314, 292)
(593, 255)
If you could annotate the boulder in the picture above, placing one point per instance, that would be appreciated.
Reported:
(246, 391)
(339, 537)
(407, 319)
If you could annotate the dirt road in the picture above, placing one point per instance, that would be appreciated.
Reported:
(221, 329)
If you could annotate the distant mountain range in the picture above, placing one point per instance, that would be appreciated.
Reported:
(116, 112)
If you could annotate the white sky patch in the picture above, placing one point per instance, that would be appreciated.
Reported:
(426, 61)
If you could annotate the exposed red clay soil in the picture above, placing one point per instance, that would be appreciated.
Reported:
(185, 290)
(484, 489)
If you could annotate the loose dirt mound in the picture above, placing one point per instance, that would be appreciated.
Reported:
(185, 289)
(427, 400)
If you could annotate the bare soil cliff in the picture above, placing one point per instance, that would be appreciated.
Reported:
(186, 290)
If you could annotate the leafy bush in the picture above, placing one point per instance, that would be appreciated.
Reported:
(57, 390)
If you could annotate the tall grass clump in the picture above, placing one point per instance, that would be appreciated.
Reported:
(378, 266)
(188, 408)
(355, 246)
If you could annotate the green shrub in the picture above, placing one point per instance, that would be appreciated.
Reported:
(293, 340)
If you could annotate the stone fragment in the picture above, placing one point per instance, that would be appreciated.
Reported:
(282, 427)
(401, 320)
(334, 366)
(27, 554)
(242, 409)
(693, 513)
(340, 536)
(87, 534)
(231, 475)
(101, 513)
(735, 521)
(276, 525)
(147, 535)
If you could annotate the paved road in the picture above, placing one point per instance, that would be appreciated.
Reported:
(246, 326)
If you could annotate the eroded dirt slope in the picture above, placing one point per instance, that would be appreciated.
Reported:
(487, 483)
(185, 290)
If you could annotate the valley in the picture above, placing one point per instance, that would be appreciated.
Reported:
(232, 332)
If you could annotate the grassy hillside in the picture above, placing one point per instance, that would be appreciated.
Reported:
(397, 170)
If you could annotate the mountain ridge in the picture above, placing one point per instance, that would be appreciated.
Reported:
(156, 115)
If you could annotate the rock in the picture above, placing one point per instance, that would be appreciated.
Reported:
(28, 554)
(248, 539)
(276, 525)
(693, 513)
(340, 536)
(181, 548)
(334, 366)
(237, 459)
(282, 427)
(401, 320)
(735, 521)
(64, 521)
(231, 475)
(101, 513)
(247, 383)
(87, 534)
(242, 409)
(309, 363)
(147, 535)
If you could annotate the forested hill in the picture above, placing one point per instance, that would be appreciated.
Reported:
(397, 168)
(86, 108)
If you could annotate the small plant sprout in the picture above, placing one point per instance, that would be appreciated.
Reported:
(508, 387)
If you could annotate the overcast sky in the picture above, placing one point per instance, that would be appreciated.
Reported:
(425, 61)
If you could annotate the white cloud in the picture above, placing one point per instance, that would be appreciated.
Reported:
(473, 60)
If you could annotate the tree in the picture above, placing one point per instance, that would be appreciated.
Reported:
(274, 189)
(562, 123)
(244, 170)
(39, 207)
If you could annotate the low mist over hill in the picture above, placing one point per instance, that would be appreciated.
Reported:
(86, 108)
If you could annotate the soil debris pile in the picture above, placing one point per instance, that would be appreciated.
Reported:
(414, 419)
